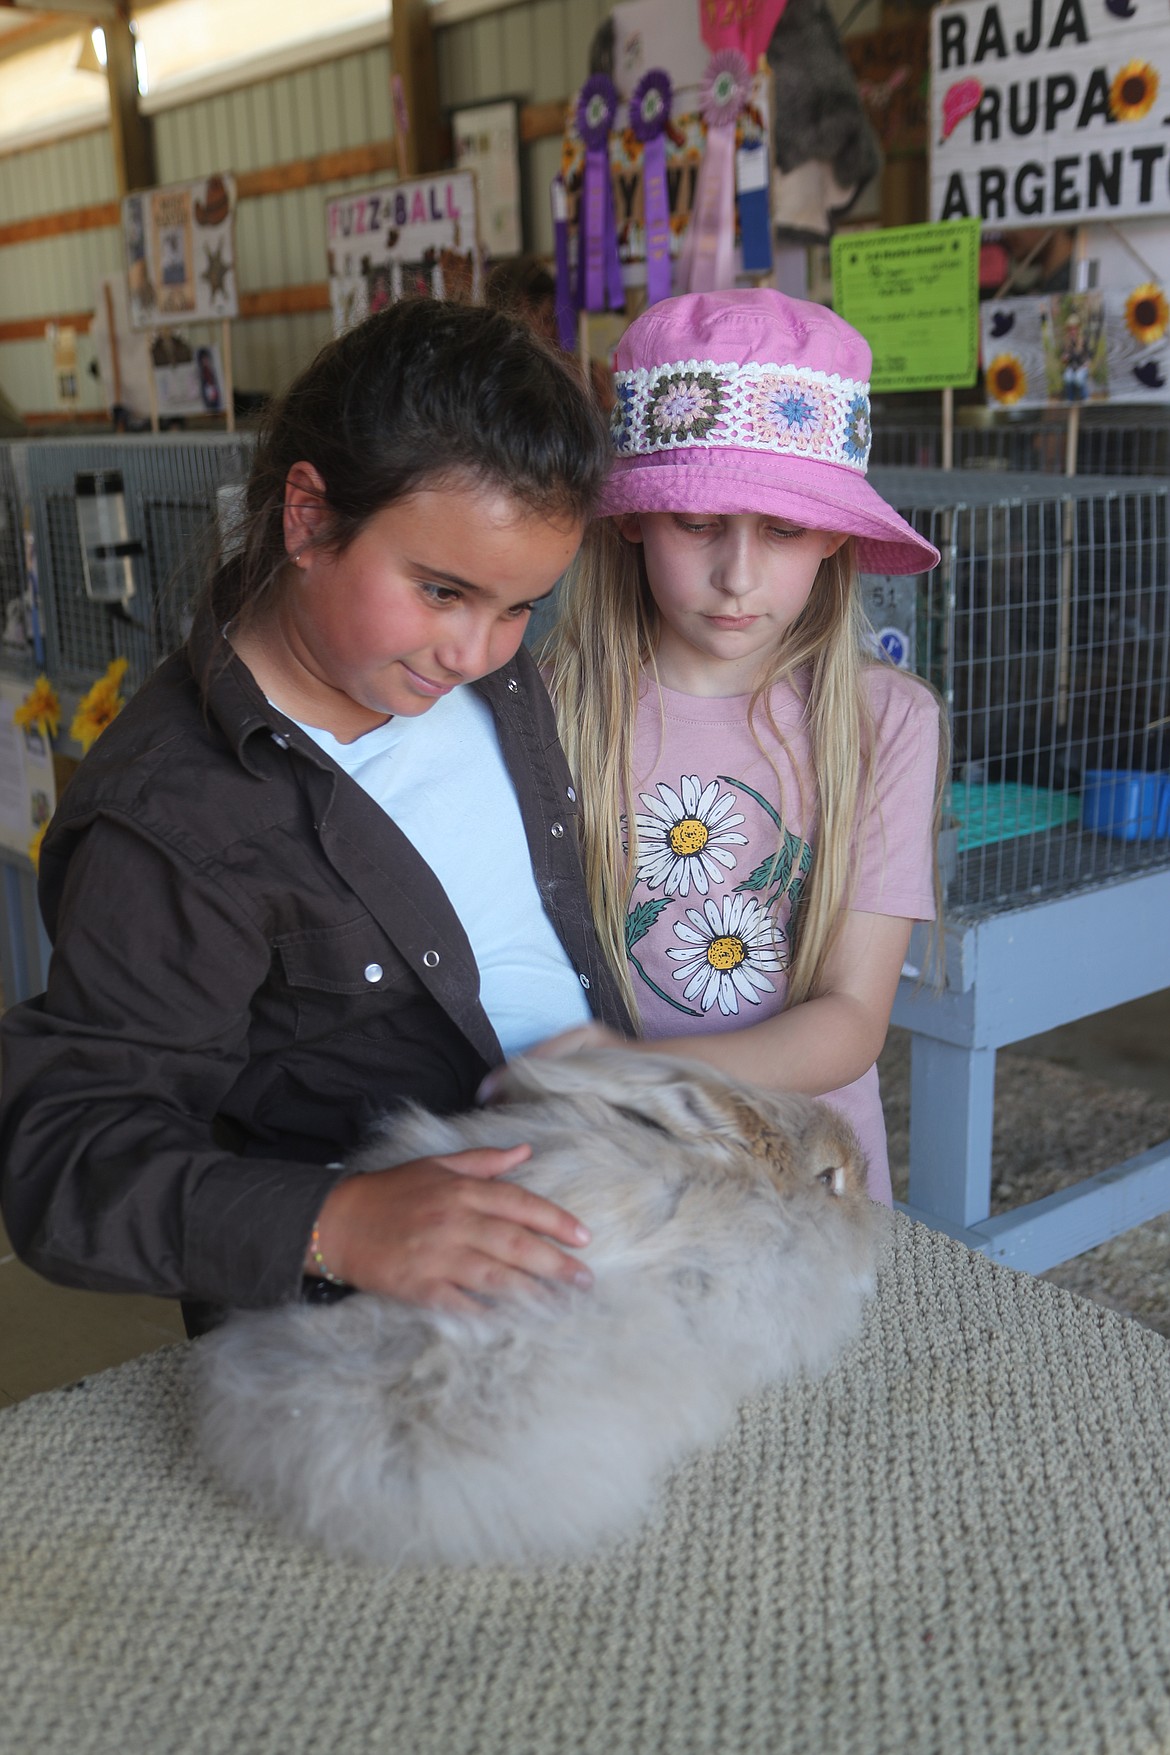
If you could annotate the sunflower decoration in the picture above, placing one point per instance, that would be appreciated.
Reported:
(40, 710)
(1007, 380)
(34, 847)
(99, 706)
(1147, 313)
(1133, 91)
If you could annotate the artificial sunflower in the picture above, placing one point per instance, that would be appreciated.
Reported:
(1132, 94)
(1006, 379)
(40, 710)
(1147, 313)
(99, 706)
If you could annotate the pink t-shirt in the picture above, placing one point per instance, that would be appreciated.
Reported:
(706, 937)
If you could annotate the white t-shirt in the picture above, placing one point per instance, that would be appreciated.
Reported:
(441, 777)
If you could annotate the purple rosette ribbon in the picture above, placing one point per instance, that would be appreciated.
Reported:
(710, 255)
(649, 114)
(599, 269)
(565, 303)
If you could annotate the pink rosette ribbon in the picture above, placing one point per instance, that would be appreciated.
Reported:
(710, 253)
(739, 24)
(598, 266)
(649, 114)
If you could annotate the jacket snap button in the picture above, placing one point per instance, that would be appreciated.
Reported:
(513, 686)
(431, 959)
(373, 971)
(571, 794)
(280, 742)
(557, 831)
(584, 980)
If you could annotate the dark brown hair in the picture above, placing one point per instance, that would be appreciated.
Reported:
(422, 392)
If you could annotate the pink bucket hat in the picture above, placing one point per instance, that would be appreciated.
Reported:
(750, 401)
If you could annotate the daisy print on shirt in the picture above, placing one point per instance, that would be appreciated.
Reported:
(730, 942)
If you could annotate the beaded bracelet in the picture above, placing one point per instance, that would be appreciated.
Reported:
(318, 1259)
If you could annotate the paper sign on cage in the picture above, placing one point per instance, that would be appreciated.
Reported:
(181, 253)
(410, 238)
(1070, 348)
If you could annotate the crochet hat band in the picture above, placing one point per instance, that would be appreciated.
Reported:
(750, 401)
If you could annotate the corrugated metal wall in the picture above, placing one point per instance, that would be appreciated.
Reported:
(280, 239)
(52, 275)
(537, 52)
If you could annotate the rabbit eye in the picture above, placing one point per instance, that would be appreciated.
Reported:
(834, 1180)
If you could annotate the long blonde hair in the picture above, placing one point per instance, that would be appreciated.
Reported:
(599, 653)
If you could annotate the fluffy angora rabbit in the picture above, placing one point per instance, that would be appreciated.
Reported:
(733, 1243)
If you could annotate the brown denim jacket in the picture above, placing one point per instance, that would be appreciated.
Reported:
(250, 963)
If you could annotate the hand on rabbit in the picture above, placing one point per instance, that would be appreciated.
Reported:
(443, 1231)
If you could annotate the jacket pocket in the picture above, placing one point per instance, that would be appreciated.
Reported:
(344, 978)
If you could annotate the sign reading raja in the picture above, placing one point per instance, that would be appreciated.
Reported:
(1050, 110)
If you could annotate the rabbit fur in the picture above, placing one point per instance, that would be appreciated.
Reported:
(732, 1244)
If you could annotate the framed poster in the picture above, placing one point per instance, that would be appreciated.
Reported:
(181, 253)
(487, 143)
(418, 237)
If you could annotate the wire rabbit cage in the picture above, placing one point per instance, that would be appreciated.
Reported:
(1046, 629)
(1109, 441)
(104, 544)
(122, 532)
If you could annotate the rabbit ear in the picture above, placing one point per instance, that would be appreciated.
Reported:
(681, 1097)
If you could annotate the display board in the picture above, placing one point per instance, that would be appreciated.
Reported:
(1072, 347)
(487, 144)
(181, 253)
(1049, 111)
(415, 237)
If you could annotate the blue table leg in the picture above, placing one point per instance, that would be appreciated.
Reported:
(952, 1103)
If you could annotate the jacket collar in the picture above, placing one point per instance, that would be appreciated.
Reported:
(240, 709)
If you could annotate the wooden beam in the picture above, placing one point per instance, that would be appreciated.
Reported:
(276, 301)
(328, 167)
(33, 328)
(286, 301)
(55, 225)
(132, 135)
(412, 59)
(542, 121)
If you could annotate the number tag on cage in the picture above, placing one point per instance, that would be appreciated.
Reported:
(107, 548)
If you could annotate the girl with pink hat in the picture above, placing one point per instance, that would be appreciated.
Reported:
(761, 792)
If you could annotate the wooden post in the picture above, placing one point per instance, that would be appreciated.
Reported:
(229, 395)
(131, 133)
(154, 425)
(948, 427)
(412, 58)
(1068, 513)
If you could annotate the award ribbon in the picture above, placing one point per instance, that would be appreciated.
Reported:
(599, 273)
(566, 306)
(649, 114)
(755, 230)
(710, 257)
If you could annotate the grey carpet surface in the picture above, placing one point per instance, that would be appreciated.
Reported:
(958, 1541)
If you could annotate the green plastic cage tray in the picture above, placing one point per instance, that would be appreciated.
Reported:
(988, 813)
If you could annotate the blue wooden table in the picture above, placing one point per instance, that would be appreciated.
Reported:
(1010, 976)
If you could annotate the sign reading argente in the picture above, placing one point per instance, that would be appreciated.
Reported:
(1050, 111)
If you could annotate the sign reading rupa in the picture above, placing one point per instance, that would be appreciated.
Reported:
(1050, 111)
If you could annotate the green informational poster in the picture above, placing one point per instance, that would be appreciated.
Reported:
(913, 291)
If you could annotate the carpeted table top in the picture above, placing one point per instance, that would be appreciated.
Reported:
(958, 1541)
